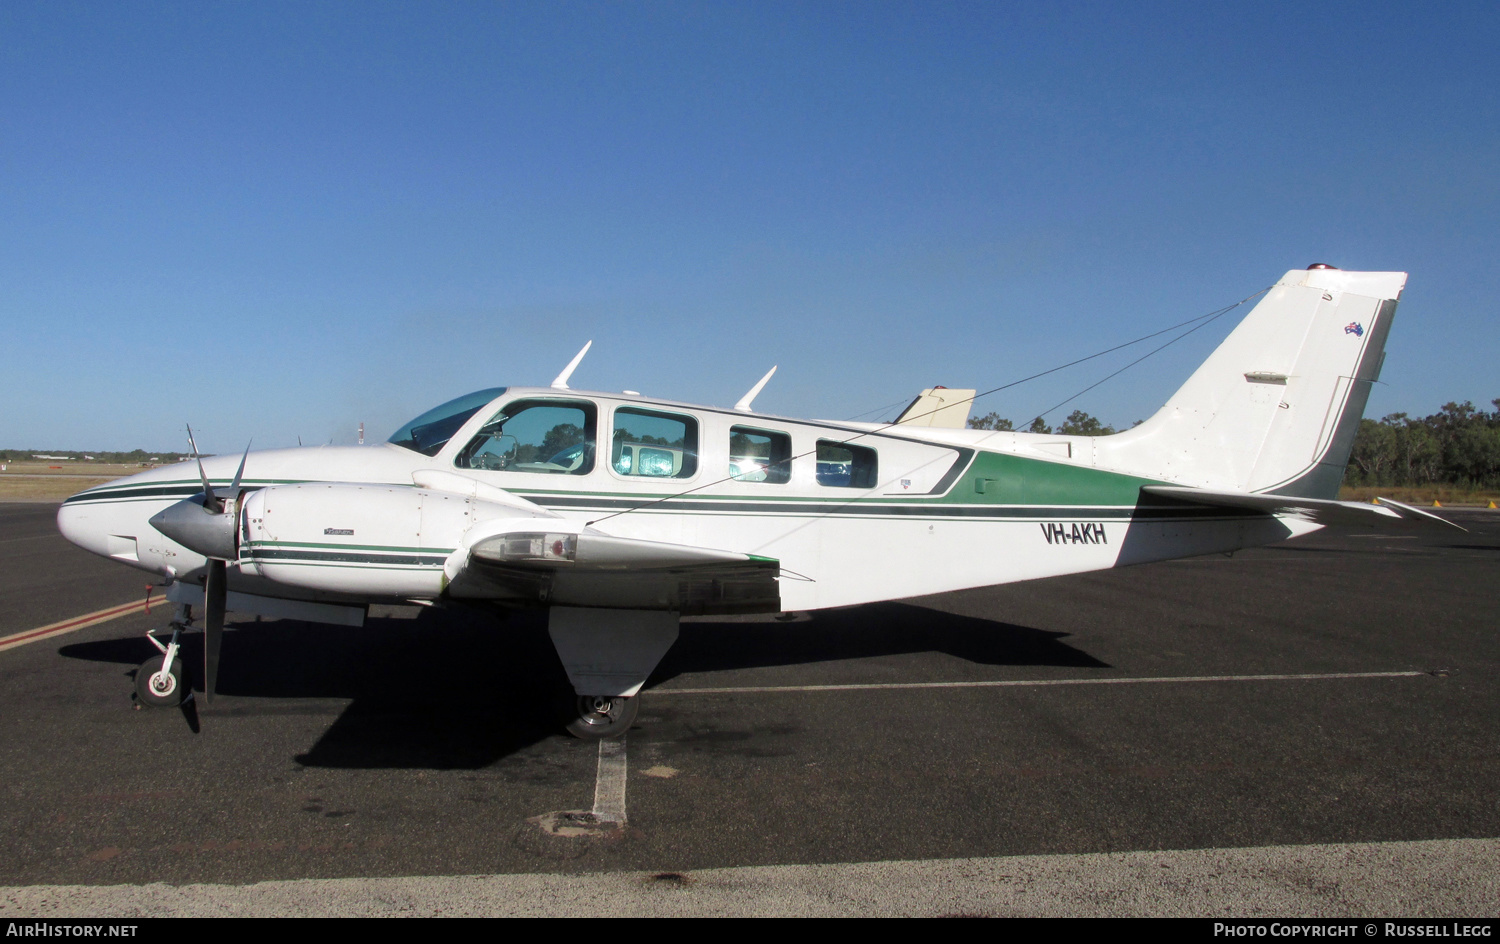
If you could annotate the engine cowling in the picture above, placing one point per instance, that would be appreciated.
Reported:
(371, 540)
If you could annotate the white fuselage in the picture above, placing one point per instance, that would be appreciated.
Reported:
(942, 510)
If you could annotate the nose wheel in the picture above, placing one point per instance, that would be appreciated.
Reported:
(159, 686)
(158, 681)
(603, 716)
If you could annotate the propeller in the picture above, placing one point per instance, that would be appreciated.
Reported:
(206, 523)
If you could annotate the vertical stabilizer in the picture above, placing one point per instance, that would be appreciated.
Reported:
(1276, 406)
(938, 406)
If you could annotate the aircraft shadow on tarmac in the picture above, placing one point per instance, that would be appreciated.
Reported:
(455, 690)
(875, 629)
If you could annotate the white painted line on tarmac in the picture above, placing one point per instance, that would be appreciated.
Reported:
(1025, 683)
(609, 785)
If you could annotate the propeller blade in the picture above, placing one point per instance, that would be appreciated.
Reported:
(240, 472)
(210, 500)
(215, 593)
(233, 491)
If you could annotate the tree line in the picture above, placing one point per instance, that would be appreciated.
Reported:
(1078, 423)
(1459, 445)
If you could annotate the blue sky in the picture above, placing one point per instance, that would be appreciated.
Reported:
(281, 219)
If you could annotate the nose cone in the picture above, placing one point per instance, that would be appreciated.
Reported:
(198, 529)
(84, 526)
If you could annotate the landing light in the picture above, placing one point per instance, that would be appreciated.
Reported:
(551, 548)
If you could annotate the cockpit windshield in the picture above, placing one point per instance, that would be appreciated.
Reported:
(430, 432)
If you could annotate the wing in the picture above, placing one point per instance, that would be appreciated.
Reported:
(1318, 510)
(566, 565)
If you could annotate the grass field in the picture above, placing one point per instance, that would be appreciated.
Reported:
(46, 488)
(38, 481)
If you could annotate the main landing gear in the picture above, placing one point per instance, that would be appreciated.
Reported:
(608, 655)
(604, 716)
(159, 682)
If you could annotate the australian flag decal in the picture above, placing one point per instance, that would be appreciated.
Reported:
(1355, 329)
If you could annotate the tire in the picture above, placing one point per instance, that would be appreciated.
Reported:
(600, 716)
(166, 692)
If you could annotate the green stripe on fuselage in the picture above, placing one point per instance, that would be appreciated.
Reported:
(329, 545)
(172, 488)
(1001, 479)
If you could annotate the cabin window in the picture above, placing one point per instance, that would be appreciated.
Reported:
(654, 445)
(547, 436)
(759, 455)
(844, 466)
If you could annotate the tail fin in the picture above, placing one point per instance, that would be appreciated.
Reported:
(938, 406)
(1275, 408)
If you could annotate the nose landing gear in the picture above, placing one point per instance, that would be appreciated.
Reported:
(158, 681)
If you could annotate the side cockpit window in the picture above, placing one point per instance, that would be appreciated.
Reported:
(844, 466)
(654, 445)
(430, 432)
(759, 455)
(548, 436)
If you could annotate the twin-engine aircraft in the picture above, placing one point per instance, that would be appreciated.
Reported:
(620, 514)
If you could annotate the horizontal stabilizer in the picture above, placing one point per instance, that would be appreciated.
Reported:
(1410, 513)
(1318, 510)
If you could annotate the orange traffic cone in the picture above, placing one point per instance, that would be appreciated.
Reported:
(1436, 503)
(1492, 503)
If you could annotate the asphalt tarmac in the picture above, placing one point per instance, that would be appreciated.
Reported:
(1337, 689)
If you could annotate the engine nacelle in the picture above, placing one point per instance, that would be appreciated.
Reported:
(371, 540)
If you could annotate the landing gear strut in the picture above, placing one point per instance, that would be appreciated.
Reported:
(608, 655)
(604, 716)
(158, 682)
